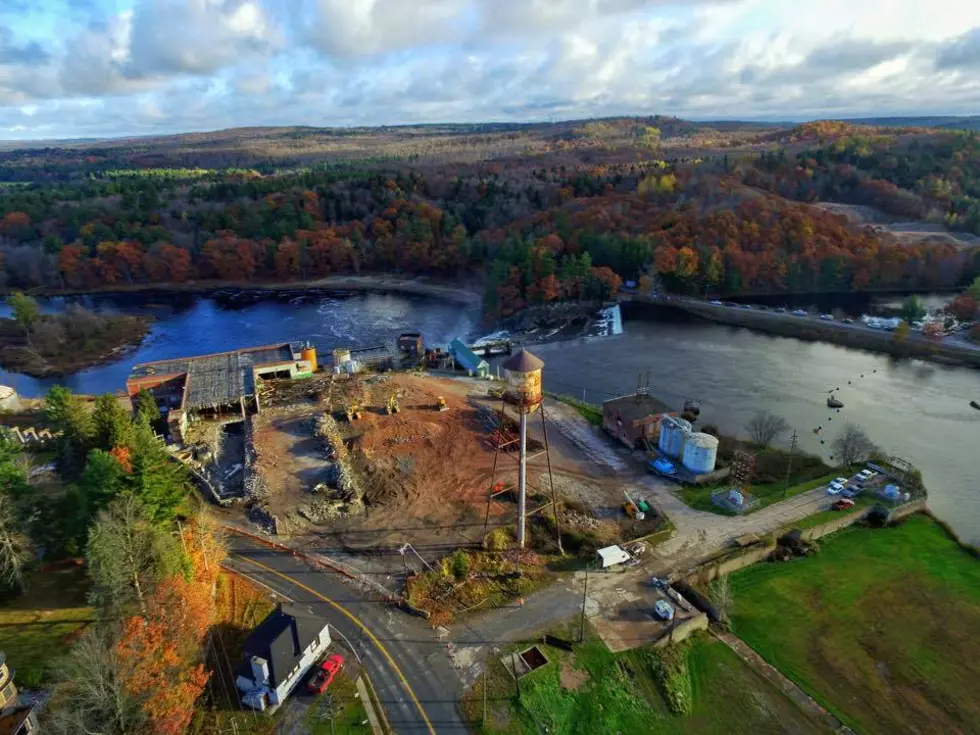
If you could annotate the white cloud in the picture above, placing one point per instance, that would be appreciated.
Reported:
(195, 36)
(170, 65)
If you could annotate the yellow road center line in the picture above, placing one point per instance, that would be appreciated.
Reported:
(356, 622)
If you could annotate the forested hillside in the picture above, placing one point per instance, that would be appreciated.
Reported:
(537, 212)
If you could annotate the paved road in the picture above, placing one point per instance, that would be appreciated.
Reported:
(407, 663)
(955, 341)
(700, 534)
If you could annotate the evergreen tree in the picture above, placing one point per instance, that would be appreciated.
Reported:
(158, 482)
(112, 425)
(147, 410)
(71, 417)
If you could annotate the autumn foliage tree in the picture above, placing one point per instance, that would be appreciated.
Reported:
(161, 651)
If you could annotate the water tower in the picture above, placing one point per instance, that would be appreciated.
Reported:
(523, 372)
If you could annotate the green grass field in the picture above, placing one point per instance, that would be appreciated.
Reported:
(594, 692)
(342, 702)
(37, 628)
(880, 626)
(769, 493)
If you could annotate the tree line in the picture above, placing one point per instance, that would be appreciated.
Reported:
(532, 232)
(152, 557)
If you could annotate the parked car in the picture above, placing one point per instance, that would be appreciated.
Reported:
(843, 504)
(835, 488)
(841, 480)
(716, 302)
(799, 312)
(780, 309)
(325, 674)
(865, 475)
(664, 610)
(746, 306)
(827, 317)
(848, 320)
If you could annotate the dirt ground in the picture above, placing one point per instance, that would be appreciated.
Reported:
(906, 232)
(425, 473)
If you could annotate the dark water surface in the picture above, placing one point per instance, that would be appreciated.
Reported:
(188, 324)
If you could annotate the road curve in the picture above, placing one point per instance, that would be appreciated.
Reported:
(408, 665)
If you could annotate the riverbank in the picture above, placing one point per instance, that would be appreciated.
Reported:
(67, 343)
(469, 294)
(846, 335)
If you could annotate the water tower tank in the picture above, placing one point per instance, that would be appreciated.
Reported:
(700, 453)
(309, 353)
(523, 372)
(673, 432)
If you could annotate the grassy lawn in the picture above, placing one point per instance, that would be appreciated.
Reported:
(341, 701)
(36, 628)
(768, 493)
(880, 626)
(593, 691)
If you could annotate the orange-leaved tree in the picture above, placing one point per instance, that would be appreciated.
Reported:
(161, 652)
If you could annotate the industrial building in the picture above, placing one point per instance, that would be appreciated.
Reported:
(633, 420)
(468, 360)
(220, 384)
(698, 452)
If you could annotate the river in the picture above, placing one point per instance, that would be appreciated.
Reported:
(911, 408)
(193, 324)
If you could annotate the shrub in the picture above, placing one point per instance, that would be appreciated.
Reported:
(674, 678)
(497, 540)
(459, 562)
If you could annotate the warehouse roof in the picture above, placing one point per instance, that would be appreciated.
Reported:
(465, 356)
(221, 378)
(636, 407)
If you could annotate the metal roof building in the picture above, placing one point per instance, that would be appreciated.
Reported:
(467, 359)
(224, 382)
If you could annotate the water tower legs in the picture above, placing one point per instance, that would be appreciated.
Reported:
(522, 485)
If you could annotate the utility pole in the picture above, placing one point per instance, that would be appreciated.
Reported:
(789, 466)
(585, 592)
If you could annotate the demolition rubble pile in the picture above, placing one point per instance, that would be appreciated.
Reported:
(341, 495)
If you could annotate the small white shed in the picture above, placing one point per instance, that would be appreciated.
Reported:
(612, 555)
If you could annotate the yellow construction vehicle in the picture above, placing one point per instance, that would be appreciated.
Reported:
(441, 404)
(353, 411)
(393, 404)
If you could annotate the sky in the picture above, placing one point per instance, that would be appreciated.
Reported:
(102, 68)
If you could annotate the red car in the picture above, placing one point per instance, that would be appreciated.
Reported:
(325, 674)
(843, 504)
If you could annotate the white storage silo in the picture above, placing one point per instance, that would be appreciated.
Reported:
(700, 453)
(673, 432)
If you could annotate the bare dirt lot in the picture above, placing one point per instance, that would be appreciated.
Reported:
(425, 474)
(906, 232)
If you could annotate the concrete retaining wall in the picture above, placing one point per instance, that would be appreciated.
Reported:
(711, 570)
(683, 630)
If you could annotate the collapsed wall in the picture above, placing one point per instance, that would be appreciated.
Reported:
(347, 495)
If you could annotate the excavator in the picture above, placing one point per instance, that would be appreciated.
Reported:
(353, 411)
(441, 404)
(393, 407)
